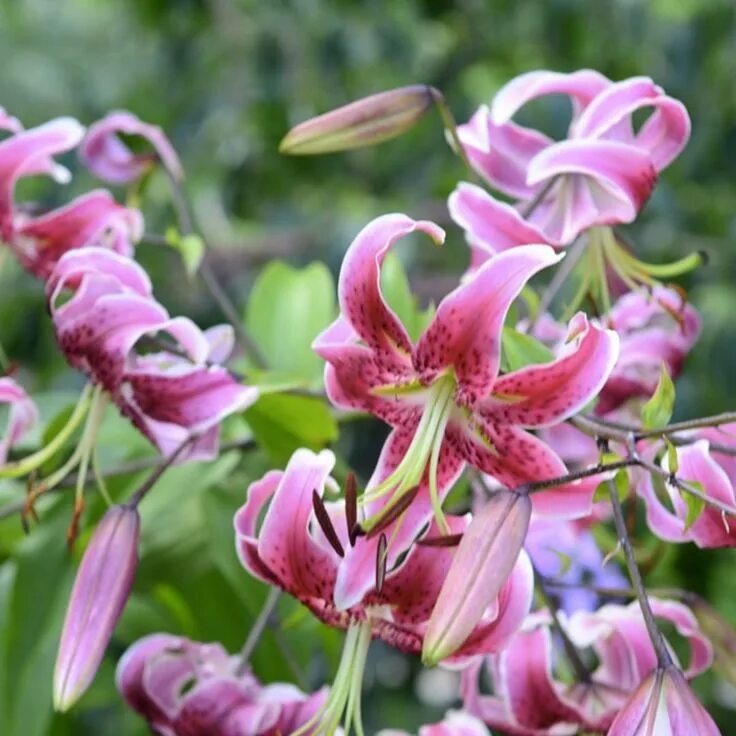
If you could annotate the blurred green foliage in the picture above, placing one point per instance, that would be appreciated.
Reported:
(226, 79)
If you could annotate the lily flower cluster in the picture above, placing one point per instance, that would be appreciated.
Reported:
(531, 434)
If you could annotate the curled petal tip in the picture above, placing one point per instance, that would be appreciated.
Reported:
(99, 595)
(365, 122)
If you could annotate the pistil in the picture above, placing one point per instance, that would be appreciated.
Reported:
(424, 448)
(344, 701)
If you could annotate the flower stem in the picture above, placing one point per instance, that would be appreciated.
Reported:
(448, 121)
(259, 626)
(655, 635)
(210, 280)
(571, 651)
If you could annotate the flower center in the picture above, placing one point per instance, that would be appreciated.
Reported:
(343, 702)
(424, 448)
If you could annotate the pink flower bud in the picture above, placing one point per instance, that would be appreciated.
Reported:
(99, 595)
(663, 704)
(367, 121)
(482, 563)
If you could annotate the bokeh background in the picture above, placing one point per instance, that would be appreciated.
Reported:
(226, 79)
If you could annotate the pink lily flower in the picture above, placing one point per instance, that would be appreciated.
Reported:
(602, 174)
(529, 701)
(664, 704)
(9, 123)
(443, 394)
(22, 416)
(184, 688)
(302, 554)
(29, 153)
(656, 328)
(455, 723)
(168, 395)
(107, 157)
(697, 463)
(93, 219)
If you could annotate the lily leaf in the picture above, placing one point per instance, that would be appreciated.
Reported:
(658, 410)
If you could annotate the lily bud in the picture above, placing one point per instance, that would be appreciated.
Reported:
(663, 704)
(99, 595)
(481, 565)
(367, 121)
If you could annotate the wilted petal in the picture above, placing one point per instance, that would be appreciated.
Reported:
(107, 157)
(359, 290)
(22, 414)
(465, 333)
(365, 122)
(544, 394)
(482, 563)
(581, 86)
(490, 225)
(99, 595)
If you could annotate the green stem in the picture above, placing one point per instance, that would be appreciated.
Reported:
(450, 126)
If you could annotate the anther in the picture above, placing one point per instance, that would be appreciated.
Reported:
(381, 559)
(325, 523)
(393, 512)
(446, 540)
(351, 508)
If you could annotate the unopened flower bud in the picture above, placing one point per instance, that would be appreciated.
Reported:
(99, 595)
(663, 704)
(365, 122)
(481, 565)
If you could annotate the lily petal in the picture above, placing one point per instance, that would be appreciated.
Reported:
(491, 226)
(546, 394)
(465, 333)
(359, 290)
(581, 86)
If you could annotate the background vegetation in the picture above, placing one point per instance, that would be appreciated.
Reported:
(226, 79)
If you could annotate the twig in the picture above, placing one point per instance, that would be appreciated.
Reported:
(571, 651)
(655, 635)
(160, 469)
(210, 280)
(259, 626)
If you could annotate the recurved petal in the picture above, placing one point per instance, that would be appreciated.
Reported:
(465, 333)
(501, 153)
(620, 178)
(359, 289)
(581, 86)
(107, 157)
(286, 548)
(663, 135)
(490, 226)
(93, 219)
(544, 394)
(31, 152)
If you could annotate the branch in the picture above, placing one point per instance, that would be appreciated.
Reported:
(259, 626)
(655, 635)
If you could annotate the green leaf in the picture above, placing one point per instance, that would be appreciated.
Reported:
(518, 350)
(673, 461)
(695, 505)
(281, 423)
(658, 410)
(286, 310)
(620, 481)
(190, 247)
